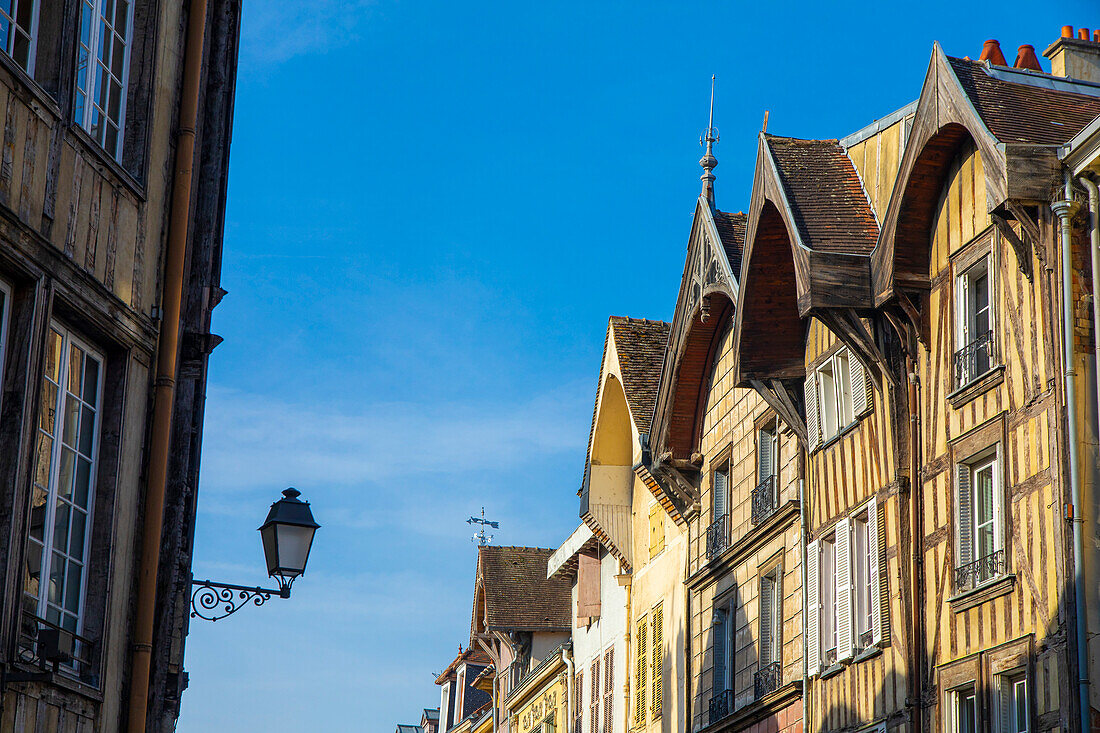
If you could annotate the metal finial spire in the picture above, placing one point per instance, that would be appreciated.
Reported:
(708, 161)
(482, 538)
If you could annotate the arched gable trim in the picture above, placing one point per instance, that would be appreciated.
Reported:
(945, 118)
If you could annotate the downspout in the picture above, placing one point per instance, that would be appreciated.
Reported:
(804, 537)
(1094, 241)
(626, 640)
(916, 540)
(567, 657)
(1064, 210)
(167, 357)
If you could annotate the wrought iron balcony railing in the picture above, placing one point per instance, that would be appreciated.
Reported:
(975, 573)
(718, 536)
(764, 500)
(79, 651)
(974, 359)
(721, 705)
(767, 679)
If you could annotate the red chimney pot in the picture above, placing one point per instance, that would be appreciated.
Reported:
(1025, 58)
(1067, 31)
(1096, 36)
(1083, 34)
(991, 52)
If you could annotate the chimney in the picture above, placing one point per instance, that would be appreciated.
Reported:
(991, 52)
(1025, 58)
(1076, 58)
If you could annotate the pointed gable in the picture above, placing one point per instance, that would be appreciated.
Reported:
(512, 592)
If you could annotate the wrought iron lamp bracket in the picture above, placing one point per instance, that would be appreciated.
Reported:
(213, 601)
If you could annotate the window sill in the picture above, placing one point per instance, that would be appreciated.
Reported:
(60, 680)
(826, 444)
(832, 671)
(977, 386)
(96, 150)
(20, 79)
(869, 653)
(985, 592)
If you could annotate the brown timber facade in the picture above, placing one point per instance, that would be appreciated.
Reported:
(89, 142)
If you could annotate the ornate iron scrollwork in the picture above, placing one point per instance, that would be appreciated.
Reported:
(721, 705)
(767, 679)
(764, 501)
(213, 601)
(717, 537)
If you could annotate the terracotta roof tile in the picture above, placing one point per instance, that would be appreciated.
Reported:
(731, 228)
(1021, 113)
(518, 595)
(826, 196)
(641, 348)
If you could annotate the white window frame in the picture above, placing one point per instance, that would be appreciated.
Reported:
(14, 28)
(829, 620)
(90, 86)
(968, 522)
(958, 698)
(967, 313)
(863, 545)
(838, 393)
(1012, 694)
(69, 339)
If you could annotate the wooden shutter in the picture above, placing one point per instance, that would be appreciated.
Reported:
(813, 421)
(860, 385)
(883, 628)
(845, 648)
(1004, 699)
(767, 620)
(765, 461)
(641, 677)
(594, 699)
(721, 491)
(963, 516)
(813, 612)
(608, 687)
(658, 661)
(578, 700)
(875, 571)
(588, 586)
(656, 530)
(718, 651)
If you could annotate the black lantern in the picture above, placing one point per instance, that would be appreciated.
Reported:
(287, 536)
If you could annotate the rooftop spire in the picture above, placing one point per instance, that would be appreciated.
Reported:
(708, 161)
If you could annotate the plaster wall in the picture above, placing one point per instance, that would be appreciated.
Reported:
(590, 642)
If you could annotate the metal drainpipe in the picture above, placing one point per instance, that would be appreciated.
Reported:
(567, 657)
(626, 640)
(1064, 210)
(804, 537)
(916, 567)
(167, 361)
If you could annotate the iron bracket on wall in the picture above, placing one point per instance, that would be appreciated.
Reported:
(213, 601)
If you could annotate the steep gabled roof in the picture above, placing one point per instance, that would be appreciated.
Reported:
(826, 197)
(731, 228)
(1017, 112)
(517, 594)
(640, 345)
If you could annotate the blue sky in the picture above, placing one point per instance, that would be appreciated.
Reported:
(433, 209)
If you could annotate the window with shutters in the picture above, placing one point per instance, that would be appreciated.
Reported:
(578, 702)
(768, 673)
(962, 710)
(656, 530)
(19, 19)
(765, 497)
(837, 393)
(608, 688)
(1012, 701)
(974, 354)
(641, 656)
(979, 522)
(594, 698)
(658, 651)
(827, 592)
(718, 532)
(863, 565)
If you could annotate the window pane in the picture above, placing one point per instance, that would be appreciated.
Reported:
(61, 525)
(71, 420)
(38, 514)
(72, 588)
(57, 577)
(65, 473)
(91, 381)
(87, 430)
(76, 541)
(83, 482)
(34, 568)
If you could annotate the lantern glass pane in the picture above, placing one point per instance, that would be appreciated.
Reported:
(271, 550)
(294, 542)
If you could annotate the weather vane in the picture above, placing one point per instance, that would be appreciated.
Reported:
(481, 537)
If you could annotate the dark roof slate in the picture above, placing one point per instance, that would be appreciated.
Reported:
(1021, 113)
(825, 194)
(518, 595)
(731, 228)
(640, 345)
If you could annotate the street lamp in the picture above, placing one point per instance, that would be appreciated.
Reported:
(287, 536)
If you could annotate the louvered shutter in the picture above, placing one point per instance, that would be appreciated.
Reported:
(608, 687)
(860, 385)
(874, 570)
(658, 658)
(721, 490)
(1004, 698)
(813, 422)
(765, 461)
(998, 502)
(813, 611)
(882, 630)
(767, 621)
(845, 648)
(588, 586)
(640, 696)
(594, 701)
(578, 701)
(964, 518)
(718, 683)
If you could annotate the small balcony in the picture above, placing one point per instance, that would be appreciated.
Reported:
(767, 679)
(718, 536)
(974, 359)
(764, 500)
(721, 706)
(47, 645)
(975, 573)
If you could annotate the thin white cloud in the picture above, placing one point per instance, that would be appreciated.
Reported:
(253, 441)
(274, 31)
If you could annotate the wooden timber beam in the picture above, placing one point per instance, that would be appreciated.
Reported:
(854, 334)
(776, 393)
(1022, 246)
